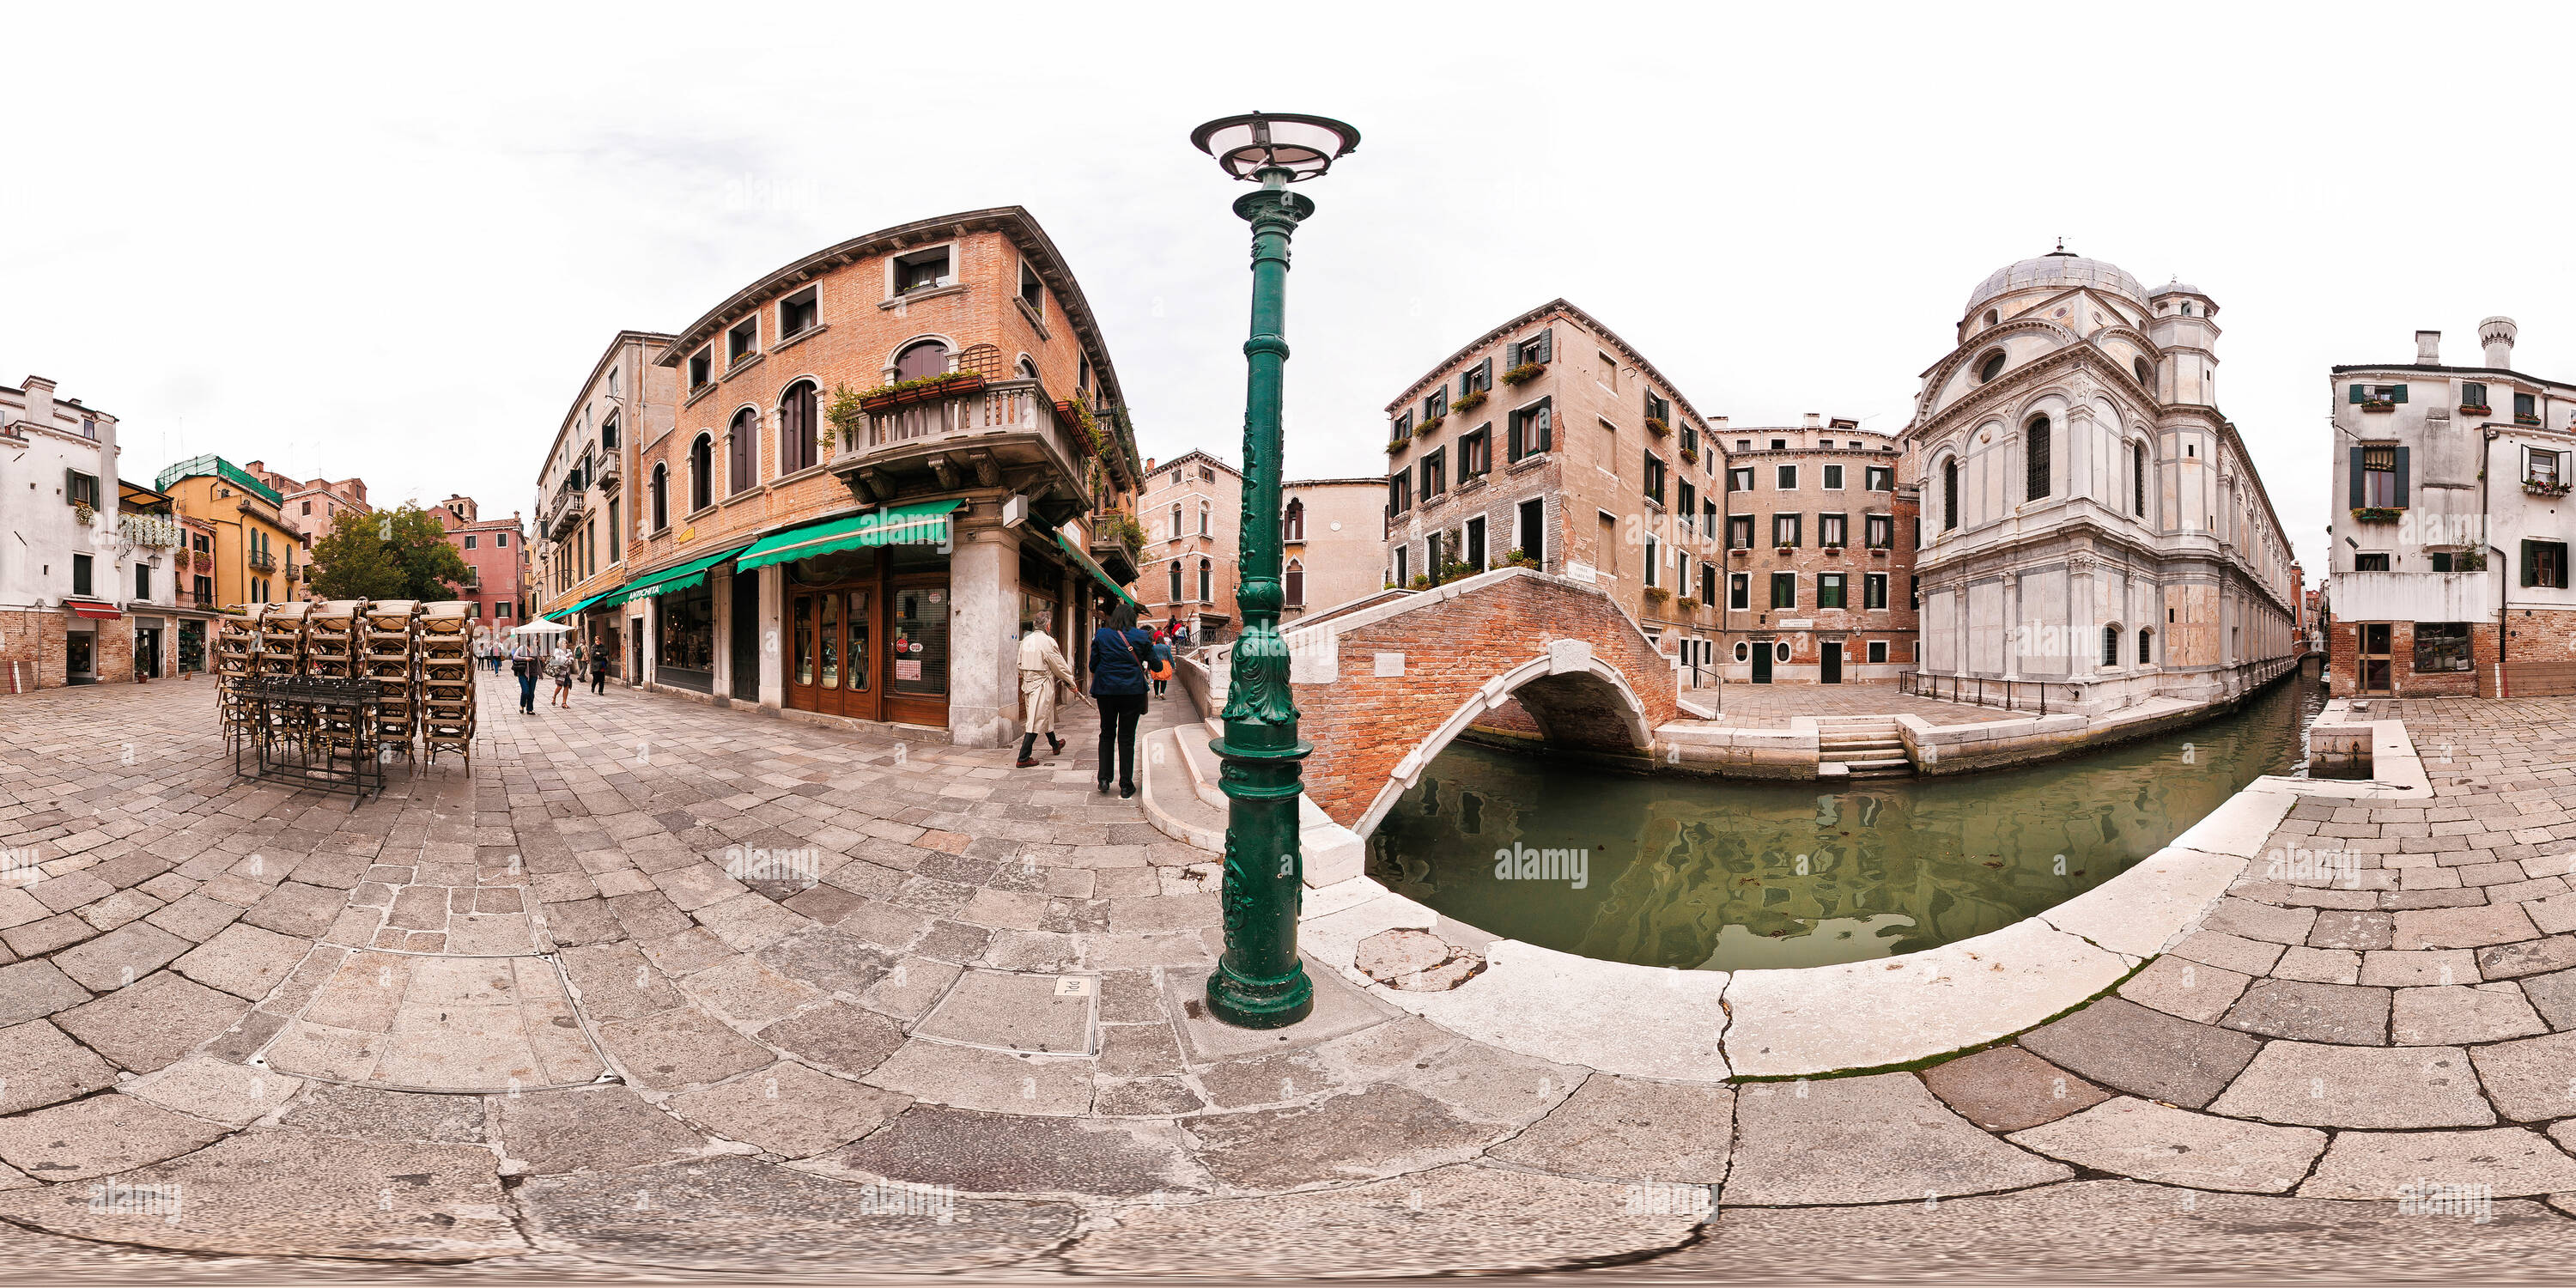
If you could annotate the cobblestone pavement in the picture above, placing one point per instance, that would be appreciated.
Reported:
(659, 989)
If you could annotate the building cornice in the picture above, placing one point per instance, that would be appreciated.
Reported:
(1560, 304)
(2566, 390)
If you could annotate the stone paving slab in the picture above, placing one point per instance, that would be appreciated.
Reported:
(1451, 1220)
(2152, 1142)
(374, 1201)
(1894, 1141)
(2318, 1085)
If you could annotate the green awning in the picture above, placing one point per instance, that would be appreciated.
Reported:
(925, 524)
(680, 578)
(1098, 573)
(562, 614)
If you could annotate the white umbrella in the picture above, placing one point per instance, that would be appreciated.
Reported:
(541, 627)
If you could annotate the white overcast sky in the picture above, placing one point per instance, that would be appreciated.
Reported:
(392, 246)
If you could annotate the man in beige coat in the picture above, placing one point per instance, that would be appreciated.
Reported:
(1042, 668)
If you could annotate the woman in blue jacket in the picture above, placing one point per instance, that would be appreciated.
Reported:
(1119, 656)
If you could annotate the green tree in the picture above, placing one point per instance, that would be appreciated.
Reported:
(389, 554)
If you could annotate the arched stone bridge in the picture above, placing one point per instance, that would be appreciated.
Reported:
(1384, 685)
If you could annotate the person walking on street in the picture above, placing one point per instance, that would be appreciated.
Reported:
(560, 666)
(1120, 652)
(523, 664)
(1162, 664)
(599, 666)
(1042, 669)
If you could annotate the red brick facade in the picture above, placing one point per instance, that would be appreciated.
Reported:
(1365, 724)
(36, 643)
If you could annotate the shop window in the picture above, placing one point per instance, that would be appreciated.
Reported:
(2442, 646)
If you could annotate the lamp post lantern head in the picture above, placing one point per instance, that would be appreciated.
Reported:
(1300, 146)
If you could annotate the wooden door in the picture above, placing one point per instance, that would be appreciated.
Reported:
(2376, 671)
(830, 658)
(1831, 669)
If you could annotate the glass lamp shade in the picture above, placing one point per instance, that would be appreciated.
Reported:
(1304, 146)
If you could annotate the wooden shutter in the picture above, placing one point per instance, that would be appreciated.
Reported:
(2529, 574)
(2357, 471)
(1546, 425)
(2398, 394)
(1547, 345)
(2402, 454)
(2358, 393)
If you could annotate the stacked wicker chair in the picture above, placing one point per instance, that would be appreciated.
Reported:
(235, 654)
(447, 680)
(390, 655)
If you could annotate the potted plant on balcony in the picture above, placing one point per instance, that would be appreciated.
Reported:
(2544, 487)
(1832, 552)
(1655, 425)
(2526, 418)
(2377, 513)
(1429, 424)
(1784, 551)
(1523, 374)
(83, 514)
(2378, 404)
(846, 414)
(2476, 409)
(1471, 402)
(1690, 455)
(1657, 594)
(1395, 445)
(1878, 552)
(1739, 552)
(1519, 558)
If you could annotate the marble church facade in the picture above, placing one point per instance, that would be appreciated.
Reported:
(2094, 535)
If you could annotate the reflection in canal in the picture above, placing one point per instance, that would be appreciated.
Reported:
(1726, 874)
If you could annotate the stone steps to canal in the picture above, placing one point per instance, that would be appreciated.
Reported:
(1864, 746)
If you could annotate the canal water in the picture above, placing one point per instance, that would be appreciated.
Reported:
(1730, 874)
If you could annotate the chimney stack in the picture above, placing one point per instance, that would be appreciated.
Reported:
(2498, 333)
(2428, 348)
(1815, 420)
(40, 401)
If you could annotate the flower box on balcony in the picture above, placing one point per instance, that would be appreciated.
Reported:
(2543, 487)
(1469, 403)
(83, 514)
(876, 402)
(1655, 425)
(1878, 552)
(2520, 419)
(2378, 404)
(1657, 592)
(1523, 374)
(1398, 445)
(2476, 409)
(1738, 552)
(1690, 455)
(1833, 552)
(1784, 551)
(2378, 513)
(1429, 425)
(1686, 603)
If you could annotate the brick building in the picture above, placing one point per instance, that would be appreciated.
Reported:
(309, 507)
(1551, 438)
(1334, 543)
(62, 567)
(2452, 526)
(252, 554)
(1192, 509)
(884, 456)
(496, 561)
(1819, 539)
(586, 494)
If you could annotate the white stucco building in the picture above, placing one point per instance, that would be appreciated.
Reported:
(63, 576)
(2093, 532)
(2451, 526)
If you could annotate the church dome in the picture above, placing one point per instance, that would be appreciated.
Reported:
(2058, 269)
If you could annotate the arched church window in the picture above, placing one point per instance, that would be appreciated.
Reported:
(1990, 366)
(2035, 454)
(1950, 494)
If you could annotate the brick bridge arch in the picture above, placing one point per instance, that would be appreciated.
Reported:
(1383, 687)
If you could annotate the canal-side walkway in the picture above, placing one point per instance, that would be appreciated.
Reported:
(660, 985)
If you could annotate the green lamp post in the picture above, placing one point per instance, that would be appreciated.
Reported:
(1259, 982)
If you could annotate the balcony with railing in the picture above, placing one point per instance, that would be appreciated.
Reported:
(565, 509)
(262, 561)
(152, 531)
(971, 432)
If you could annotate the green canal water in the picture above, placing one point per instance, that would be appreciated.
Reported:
(1724, 874)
